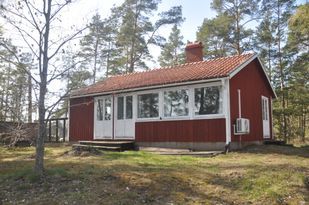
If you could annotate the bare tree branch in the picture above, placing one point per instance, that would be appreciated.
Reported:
(67, 40)
(23, 34)
(20, 16)
(51, 108)
(32, 16)
(53, 77)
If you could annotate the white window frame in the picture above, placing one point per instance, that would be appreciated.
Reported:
(189, 104)
(104, 107)
(124, 106)
(208, 116)
(159, 105)
(96, 103)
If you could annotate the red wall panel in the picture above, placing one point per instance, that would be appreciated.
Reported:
(181, 131)
(81, 118)
(252, 83)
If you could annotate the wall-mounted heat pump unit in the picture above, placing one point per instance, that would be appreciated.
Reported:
(242, 126)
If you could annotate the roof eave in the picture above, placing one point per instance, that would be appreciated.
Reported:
(150, 87)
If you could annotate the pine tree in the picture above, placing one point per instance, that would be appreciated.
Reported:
(12, 83)
(172, 53)
(214, 35)
(297, 47)
(96, 46)
(280, 11)
(137, 32)
(239, 13)
(265, 42)
(299, 28)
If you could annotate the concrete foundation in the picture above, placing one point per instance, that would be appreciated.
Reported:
(198, 146)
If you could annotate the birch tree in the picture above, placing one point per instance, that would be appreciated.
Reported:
(37, 24)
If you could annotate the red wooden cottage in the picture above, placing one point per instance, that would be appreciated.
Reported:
(197, 105)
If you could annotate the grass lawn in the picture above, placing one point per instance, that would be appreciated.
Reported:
(256, 175)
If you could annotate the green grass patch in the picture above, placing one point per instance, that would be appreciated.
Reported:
(23, 174)
(258, 175)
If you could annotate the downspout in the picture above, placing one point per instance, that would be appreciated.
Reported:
(239, 113)
(271, 118)
(113, 121)
(226, 84)
(239, 103)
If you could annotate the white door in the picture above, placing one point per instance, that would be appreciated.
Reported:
(124, 118)
(265, 117)
(103, 117)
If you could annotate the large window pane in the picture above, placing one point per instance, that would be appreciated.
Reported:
(108, 109)
(100, 110)
(148, 105)
(176, 103)
(208, 100)
(129, 107)
(120, 110)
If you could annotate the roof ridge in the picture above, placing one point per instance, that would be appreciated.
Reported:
(176, 66)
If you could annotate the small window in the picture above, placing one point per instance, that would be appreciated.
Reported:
(100, 110)
(176, 103)
(129, 104)
(108, 109)
(208, 100)
(120, 110)
(265, 109)
(148, 105)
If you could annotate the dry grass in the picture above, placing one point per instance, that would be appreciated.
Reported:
(257, 175)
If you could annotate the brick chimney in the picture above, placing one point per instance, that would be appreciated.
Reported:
(194, 52)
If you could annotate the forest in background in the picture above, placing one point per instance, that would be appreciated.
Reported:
(276, 30)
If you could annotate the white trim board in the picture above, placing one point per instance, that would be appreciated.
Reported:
(191, 115)
(241, 66)
(146, 88)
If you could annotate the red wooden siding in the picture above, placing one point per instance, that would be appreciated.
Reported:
(81, 118)
(181, 131)
(253, 84)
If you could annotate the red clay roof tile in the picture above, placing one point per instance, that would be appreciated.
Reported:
(209, 69)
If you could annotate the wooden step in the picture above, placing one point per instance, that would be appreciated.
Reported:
(91, 147)
(123, 145)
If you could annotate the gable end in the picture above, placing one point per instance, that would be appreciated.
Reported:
(237, 70)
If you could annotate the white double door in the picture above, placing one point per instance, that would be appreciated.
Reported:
(124, 117)
(103, 117)
(114, 117)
